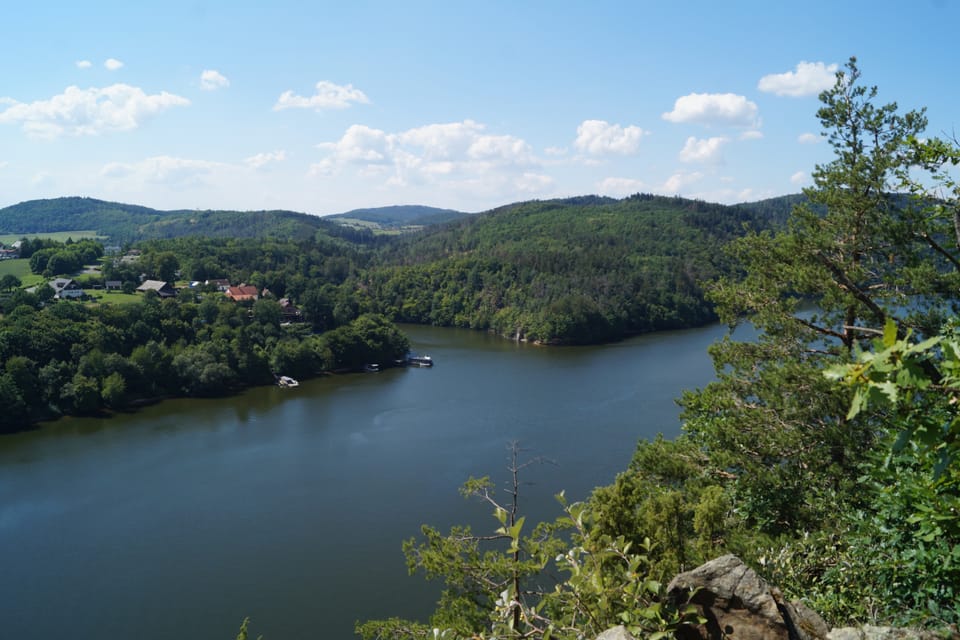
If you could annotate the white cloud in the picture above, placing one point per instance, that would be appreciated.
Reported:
(598, 137)
(620, 186)
(556, 151)
(211, 80)
(442, 140)
(500, 148)
(809, 79)
(263, 159)
(752, 134)
(360, 144)
(112, 64)
(679, 181)
(162, 170)
(800, 177)
(328, 96)
(714, 109)
(459, 157)
(4, 164)
(532, 182)
(808, 138)
(702, 150)
(93, 111)
(83, 64)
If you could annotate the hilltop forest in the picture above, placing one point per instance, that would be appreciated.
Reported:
(825, 452)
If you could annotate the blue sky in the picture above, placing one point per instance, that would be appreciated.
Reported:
(322, 107)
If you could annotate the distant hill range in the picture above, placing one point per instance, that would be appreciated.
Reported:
(123, 223)
(398, 217)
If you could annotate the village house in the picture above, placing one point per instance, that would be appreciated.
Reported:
(65, 288)
(163, 289)
(222, 284)
(243, 292)
(289, 312)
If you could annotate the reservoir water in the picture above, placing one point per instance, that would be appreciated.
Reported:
(290, 505)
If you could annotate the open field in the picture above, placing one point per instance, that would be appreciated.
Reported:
(59, 236)
(21, 269)
(113, 297)
(376, 227)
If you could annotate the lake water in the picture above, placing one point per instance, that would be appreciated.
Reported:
(289, 505)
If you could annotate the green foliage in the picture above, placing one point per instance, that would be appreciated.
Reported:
(908, 535)
(242, 635)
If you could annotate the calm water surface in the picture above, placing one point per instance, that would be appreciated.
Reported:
(290, 505)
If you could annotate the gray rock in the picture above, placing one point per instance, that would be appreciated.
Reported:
(739, 604)
(616, 633)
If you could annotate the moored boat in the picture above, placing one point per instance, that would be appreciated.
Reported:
(420, 361)
(287, 381)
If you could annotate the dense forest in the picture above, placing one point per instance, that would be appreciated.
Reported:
(581, 270)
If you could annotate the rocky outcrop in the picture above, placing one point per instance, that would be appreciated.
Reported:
(739, 604)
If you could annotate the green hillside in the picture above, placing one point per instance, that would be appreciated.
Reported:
(578, 270)
(396, 218)
(122, 223)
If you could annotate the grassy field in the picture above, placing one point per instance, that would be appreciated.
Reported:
(113, 297)
(59, 236)
(21, 269)
(376, 227)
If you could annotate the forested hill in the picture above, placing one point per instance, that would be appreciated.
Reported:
(578, 270)
(399, 216)
(122, 223)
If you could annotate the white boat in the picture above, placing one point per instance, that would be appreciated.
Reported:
(420, 361)
(287, 381)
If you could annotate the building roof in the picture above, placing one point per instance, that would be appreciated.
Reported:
(161, 287)
(243, 292)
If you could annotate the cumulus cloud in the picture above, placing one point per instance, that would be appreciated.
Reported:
(461, 156)
(83, 64)
(263, 159)
(753, 134)
(714, 109)
(112, 64)
(702, 150)
(599, 137)
(808, 138)
(678, 181)
(163, 170)
(328, 96)
(79, 112)
(211, 80)
(620, 186)
(800, 177)
(809, 79)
